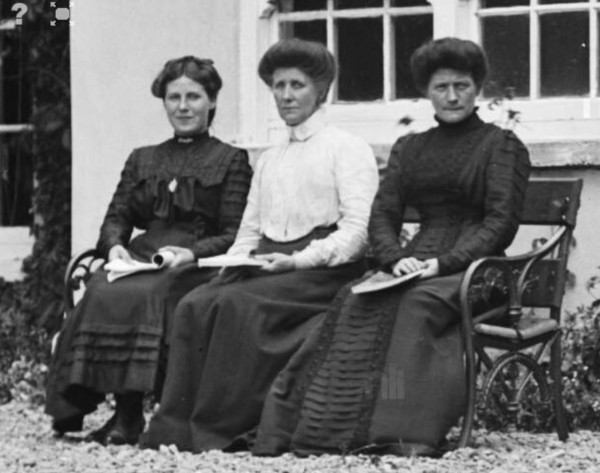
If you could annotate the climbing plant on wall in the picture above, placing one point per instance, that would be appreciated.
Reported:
(46, 65)
(30, 310)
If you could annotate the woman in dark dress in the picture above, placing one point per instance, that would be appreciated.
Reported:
(306, 218)
(385, 369)
(188, 194)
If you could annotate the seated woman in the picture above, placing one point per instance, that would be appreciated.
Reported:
(188, 194)
(306, 218)
(386, 368)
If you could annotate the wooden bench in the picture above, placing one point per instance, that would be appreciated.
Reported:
(534, 280)
(493, 295)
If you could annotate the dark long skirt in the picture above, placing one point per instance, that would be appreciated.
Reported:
(228, 344)
(114, 340)
(383, 369)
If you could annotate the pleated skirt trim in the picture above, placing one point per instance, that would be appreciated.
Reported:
(339, 393)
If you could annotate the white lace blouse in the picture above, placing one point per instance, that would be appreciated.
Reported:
(319, 177)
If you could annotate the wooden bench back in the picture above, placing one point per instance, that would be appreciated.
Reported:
(548, 202)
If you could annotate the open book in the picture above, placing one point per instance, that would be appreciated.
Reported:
(226, 261)
(382, 280)
(119, 268)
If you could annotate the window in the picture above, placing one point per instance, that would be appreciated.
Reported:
(16, 165)
(541, 48)
(371, 39)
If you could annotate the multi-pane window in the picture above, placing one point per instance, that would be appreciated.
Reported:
(541, 48)
(16, 163)
(371, 39)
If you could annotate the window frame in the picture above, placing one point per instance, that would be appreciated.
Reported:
(386, 12)
(546, 119)
(535, 10)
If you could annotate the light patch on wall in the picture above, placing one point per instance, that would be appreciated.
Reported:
(15, 245)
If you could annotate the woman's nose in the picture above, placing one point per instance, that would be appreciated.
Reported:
(182, 105)
(286, 93)
(451, 95)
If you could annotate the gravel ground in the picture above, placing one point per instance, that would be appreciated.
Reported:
(27, 445)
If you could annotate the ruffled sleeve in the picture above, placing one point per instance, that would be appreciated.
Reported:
(118, 222)
(505, 177)
(233, 201)
(388, 210)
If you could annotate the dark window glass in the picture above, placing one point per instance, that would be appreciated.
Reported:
(310, 30)
(565, 57)
(347, 4)
(16, 159)
(302, 5)
(503, 3)
(548, 2)
(410, 3)
(411, 32)
(506, 41)
(360, 57)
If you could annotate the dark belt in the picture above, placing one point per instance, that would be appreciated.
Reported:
(266, 245)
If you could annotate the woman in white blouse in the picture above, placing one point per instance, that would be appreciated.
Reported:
(306, 218)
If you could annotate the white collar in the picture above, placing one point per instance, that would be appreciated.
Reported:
(308, 127)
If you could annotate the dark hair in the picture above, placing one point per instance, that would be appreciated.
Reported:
(312, 58)
(199, 70)
(451, 53)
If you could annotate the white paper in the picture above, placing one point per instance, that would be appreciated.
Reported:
(381, 280)
(222, 261)
(119, 268)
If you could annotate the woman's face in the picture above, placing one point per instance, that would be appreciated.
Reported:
(187, 105)
(452, 94)
(296, 95)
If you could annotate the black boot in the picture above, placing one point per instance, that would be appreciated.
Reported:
(129, 422)
(100, 435)
(69, 424)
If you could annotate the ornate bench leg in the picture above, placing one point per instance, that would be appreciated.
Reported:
(514, 371)
(471, 375)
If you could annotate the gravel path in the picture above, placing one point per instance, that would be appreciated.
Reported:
(27, 445)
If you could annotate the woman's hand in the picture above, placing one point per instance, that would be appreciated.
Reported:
(407, 265)
(410, 265)
(277, 262)
(182, 255)
(119, 252)
(432, 268)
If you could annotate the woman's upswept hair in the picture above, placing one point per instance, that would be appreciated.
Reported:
(312, 58)
(448, 53)
(200, 70)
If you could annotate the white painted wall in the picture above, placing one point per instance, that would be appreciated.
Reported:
(117, 48)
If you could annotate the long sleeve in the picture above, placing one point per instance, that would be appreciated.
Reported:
(249, 233)
(388, 211)
(118, 222)
(356, 181)
(505, 178)
(233, 201)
